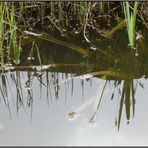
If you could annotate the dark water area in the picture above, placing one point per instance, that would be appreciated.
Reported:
(91, 93)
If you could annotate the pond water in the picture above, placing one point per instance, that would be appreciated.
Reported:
(66, 91)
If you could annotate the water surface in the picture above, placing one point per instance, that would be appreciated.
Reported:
(38, 94)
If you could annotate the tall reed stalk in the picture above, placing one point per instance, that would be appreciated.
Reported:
(52, 8)
(13, 33)
(41, 12)
(131, 21)
(60, 7)
(101, 6)
(9, 19)
(1, 33)
(81, 12)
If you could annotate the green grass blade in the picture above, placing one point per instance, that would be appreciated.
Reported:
(38, 54)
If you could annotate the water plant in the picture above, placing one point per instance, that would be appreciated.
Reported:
(131, 21)
(13, 35)
(1, 34)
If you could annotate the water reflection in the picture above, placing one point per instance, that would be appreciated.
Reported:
(44, 91)
(18, 86)
(53, 71)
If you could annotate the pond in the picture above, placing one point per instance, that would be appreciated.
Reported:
(65, 90)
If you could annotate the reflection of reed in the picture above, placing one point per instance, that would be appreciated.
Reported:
(13, 91)
(4, 92)
(80, 50)
(42, 68)
(127, 96)
(12, 83)
(106, 74)
(95, 101)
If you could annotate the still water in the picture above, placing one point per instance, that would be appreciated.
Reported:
(46, 123)
(76, 98)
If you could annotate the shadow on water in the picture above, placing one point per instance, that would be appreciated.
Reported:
(50, 61)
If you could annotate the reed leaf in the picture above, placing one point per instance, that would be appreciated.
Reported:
(131, 21)
(38, 54)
